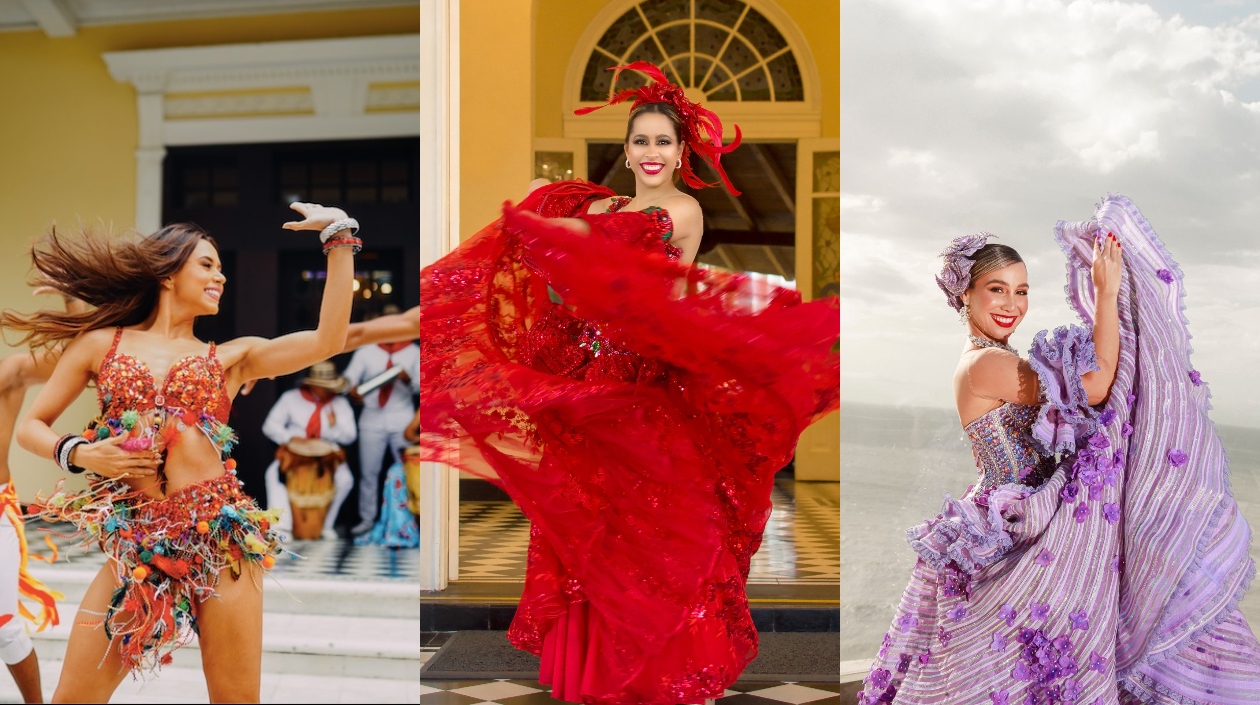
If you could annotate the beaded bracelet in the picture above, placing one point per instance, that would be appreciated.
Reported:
(63, 455)
(60, 442)
(352, 242)
(337, 226)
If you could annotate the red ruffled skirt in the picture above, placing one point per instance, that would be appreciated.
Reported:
(638, 426)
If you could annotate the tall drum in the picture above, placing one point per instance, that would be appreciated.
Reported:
(307, 466)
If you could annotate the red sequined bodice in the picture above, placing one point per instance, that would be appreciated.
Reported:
(193, 385)
(660, 229)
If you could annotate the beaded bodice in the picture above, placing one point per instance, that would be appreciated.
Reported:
(132, 402)
(1005, 452)
(662, 231)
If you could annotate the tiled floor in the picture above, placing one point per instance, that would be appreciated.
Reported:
(525, 692)
(801, 543)
(338, 558)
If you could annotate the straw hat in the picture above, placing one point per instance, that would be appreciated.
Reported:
(324, 375)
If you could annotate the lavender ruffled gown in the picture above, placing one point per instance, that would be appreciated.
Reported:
(1101, 556)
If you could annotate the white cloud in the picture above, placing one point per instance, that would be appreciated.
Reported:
(1008, 115)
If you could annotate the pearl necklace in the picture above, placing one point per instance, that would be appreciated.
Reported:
(986, 343)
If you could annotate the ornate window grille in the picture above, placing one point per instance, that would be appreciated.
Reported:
(718, 50)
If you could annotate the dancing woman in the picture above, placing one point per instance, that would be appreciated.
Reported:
(1100, 556)
(635, 408)
(18, 373)
(164, 503)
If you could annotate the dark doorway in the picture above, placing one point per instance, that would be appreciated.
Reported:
(241, 194)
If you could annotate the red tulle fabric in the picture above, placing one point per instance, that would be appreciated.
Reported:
(638, 424)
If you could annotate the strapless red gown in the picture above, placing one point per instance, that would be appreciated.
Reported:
(637, 412)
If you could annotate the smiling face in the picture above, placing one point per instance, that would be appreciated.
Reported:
(998, 301)
(199, 283)
(653, 149)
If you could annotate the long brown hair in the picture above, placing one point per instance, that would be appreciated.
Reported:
(120, 277)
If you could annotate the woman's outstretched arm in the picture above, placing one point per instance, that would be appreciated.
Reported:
(1106, 275)
(394, 328)
(255, 358)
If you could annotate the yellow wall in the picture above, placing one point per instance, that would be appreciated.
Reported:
(496, 96)
(560, 24)
(70, 135)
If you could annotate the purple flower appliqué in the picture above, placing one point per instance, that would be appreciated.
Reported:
(1099, 441)
(958, 611)
(1097, 662)
(1131, 398)
(1039, 611)
(1001, 697)
(1071, 690)
(1177, 457)
(944, 636)
(999, 642)
(925, 657)
(1021, 672)
(1080, 620)
(1115, 563)
(881, 678)
(1111, 512)
(1110, 477)
(907, 622)
(1095, 492)
(1126, 430)
(1062, 643)
(904, 664)
(1068, 493)
(1044, 558)
(1007, 614)
(1195, 378)
(1165, 276)
(1107, 416)
(1081, 513)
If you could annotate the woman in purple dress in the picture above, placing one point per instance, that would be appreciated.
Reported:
(1100, 556)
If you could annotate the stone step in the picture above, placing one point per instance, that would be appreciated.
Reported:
(281, 594)
(187, 684)
(301, 644)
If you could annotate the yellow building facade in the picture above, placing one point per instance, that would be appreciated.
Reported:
(72, 131)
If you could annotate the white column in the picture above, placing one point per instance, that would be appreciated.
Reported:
(435, 492)
(150, 152)
(439, 232)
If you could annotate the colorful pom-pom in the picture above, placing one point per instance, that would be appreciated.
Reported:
(230, 463)
(102, 432)
(146, 556)
(268, 562)
(203, 527)
(140, 572)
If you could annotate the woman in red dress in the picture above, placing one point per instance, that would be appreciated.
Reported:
(636, 408)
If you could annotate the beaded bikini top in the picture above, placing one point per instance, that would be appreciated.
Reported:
(132, 402)
(662, 231)
(1003, 445)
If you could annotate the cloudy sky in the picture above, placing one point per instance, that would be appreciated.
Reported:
(1007, 115)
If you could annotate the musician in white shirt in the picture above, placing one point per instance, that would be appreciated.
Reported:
(315, 409)
(386, 413)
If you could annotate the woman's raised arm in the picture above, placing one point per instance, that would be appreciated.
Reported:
(1106, 275)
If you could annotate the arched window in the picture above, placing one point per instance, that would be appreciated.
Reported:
(718, 50)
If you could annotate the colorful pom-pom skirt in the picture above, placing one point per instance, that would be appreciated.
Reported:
(168, 555)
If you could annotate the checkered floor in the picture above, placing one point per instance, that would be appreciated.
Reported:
(338, 558)
(525, 692)
(801, 543)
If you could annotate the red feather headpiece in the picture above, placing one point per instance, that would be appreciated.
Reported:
(695, 120)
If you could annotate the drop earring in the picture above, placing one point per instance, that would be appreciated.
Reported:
(964, 315)
(627, 163)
